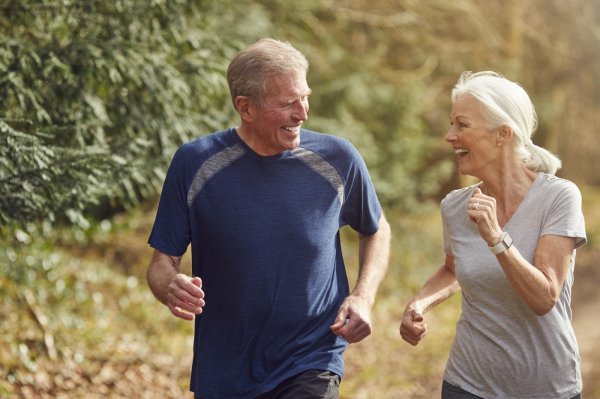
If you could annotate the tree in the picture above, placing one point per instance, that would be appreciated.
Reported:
(95, 97)
(382, 73)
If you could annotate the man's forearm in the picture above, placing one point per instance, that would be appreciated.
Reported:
(161, 271)
(374, 251)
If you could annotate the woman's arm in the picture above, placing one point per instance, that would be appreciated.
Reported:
(439, 287)
(539, 284)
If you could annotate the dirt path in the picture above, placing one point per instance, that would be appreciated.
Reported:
(586, 319)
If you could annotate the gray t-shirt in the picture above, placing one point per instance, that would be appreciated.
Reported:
(502, 349)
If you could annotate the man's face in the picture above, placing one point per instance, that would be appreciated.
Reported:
(275, 125)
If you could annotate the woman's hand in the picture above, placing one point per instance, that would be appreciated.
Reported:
(482, 211)
(413, 328)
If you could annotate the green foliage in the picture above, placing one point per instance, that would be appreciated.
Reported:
(361, 91)
(47, 176)
(383, 122)
(95, 96)
(120, 85)
(381, 74)
(89, 290)
(103, 93)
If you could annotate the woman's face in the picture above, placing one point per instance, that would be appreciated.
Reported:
(473, 142)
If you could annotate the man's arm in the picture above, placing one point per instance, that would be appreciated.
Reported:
(353, 321)
(182, 294)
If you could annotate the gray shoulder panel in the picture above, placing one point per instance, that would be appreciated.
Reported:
(213, 165)
(320, 165)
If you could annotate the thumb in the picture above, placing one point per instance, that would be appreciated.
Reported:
(476, 191)
(416, 316)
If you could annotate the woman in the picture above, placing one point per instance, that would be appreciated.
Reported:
(510, 244)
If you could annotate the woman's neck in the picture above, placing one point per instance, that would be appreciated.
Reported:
(509, 190)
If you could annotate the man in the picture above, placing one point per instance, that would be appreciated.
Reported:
(262, 205)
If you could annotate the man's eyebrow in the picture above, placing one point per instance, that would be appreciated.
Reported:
(308, 93)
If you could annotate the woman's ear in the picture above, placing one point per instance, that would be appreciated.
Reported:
(503, 135)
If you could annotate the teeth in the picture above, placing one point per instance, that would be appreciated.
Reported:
(291, 129)
(459, 151)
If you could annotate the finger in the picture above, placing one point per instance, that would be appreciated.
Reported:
(409, 331)
(355, 330)
(407, 334)
(182, 314)
(420, 331)
(192, 307)
(197, 281)
(185, 296)
(359, 333)
(343, 331)
(341, 320)
(337, 327)
(194, 287)
(408, 337)
(413, 329)
(410, 340)
(411, 337)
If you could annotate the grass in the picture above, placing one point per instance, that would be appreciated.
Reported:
(89, 327)
(383, 365)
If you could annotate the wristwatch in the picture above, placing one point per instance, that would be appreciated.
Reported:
(505, 243)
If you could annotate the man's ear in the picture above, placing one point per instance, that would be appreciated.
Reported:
(503, 135)
(243, 107)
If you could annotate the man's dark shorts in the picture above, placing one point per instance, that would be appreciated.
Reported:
(311, 384)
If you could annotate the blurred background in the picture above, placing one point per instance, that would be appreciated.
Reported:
(96, 96)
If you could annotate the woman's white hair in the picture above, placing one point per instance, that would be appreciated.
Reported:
(505, 103)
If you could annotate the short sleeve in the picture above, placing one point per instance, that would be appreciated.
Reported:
(171, 231)
(361, 209)
(447, 245)
(565, 217)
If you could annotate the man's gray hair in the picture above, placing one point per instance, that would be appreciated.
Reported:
(248, 71)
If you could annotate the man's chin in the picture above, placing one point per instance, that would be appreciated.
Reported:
(293, 143)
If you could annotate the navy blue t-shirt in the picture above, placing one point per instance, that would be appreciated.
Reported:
(265, 241)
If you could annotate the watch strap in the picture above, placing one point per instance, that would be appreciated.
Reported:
(503, 245)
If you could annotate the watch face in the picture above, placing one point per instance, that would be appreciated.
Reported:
(503, 245)
(507, 240)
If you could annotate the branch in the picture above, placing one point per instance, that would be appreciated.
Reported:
(42, 322)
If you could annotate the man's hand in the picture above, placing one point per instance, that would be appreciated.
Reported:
(353, 321)
(185, 297)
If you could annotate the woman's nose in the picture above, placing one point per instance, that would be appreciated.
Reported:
(450, 135)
